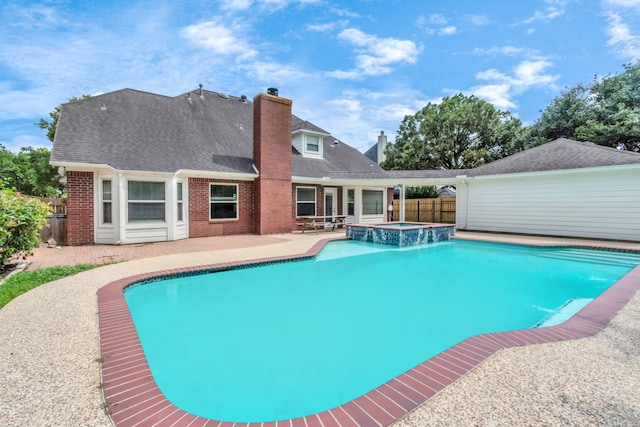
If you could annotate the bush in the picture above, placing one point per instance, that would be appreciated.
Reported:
(21, 220)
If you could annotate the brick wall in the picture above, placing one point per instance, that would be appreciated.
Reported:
(80, 208)
(272, 157)
(199, 223)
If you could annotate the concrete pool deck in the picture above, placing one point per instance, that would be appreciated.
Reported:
(49, 353)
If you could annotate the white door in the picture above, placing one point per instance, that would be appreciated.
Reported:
(330, 204)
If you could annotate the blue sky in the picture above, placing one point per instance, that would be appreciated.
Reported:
(354, 68)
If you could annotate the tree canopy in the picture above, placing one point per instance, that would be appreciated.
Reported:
(29, 172)
(606, 112)
(458, 133)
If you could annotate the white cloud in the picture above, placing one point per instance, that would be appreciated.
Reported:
(376, 55)
(502, 88)
(435, 23)
(505, 50)
(621, 37)
(219, 38)
(447, 31)
(477, 20)
(555, 9)
(328, 27)
(345, 12)
(623, 3)
(499, 95)
(263, 5)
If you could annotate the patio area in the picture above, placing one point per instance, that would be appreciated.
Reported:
(49, 349)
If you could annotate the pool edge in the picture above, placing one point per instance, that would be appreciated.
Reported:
(132, 396)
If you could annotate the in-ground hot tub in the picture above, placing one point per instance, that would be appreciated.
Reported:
(401, 233)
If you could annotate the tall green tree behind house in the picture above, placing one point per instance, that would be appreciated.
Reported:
(29, 172)
(460, 132)
(606, 112)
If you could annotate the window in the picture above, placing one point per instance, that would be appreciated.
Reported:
(145, 201)
(106, 201)
(312, 144)
(351, 202)
(305, 201)
(180, 213)
(372, 202)
(223, 201)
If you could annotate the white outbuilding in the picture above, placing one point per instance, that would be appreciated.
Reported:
(562, 188)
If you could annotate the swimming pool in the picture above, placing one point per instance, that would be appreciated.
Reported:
(384, 322)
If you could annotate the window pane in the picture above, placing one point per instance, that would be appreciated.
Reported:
(306, 209)
(106, 189)
(224, 210)
(106, 212)
(142, 190)
(372, 202)
(224, 192)
(313, 143)
(146, 212)
(351, 202)
(179, 191)
(180, 212)
(306, 194)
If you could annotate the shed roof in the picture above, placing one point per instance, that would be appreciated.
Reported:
(559, 154)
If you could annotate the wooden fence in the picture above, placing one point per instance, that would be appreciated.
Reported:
(441, 210)
(57, 222)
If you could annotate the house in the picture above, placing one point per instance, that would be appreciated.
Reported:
(143, 167)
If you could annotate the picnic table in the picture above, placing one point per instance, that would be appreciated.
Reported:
(318, 222)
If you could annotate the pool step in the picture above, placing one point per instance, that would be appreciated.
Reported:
(618, 259)
(564, 313)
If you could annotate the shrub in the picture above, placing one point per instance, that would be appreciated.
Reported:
(21, 220)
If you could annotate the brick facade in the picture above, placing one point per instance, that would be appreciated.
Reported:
(199, 223)
(272, 157)
(80, 208)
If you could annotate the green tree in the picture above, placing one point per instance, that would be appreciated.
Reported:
(423, 192)
(458, 133)
(606, 112)
(29, 172)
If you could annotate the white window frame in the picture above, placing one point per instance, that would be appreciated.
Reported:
(305, 143)
(315, 200)
(382, 206)
(351, 202)
(104, 201)
(180, 202)
(151, 201)
(235, 200)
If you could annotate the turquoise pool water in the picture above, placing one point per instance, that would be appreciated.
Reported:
(292, 339)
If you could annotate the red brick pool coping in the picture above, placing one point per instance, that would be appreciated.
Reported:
(134, 399)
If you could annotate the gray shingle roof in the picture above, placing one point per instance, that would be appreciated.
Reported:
(557, 155)
(133, 130)
(140, 131)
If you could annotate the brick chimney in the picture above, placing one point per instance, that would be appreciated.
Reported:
(272, 158)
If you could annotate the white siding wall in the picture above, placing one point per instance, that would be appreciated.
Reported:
(602, 203)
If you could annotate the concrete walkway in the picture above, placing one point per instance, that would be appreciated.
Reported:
(49, 347)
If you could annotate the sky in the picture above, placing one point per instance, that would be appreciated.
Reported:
(354, 68)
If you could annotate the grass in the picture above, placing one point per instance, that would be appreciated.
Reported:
(24, 281)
